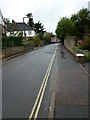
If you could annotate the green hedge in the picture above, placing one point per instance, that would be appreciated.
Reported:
(11, 41)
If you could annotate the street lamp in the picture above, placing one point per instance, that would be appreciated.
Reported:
(24, 28)
(24, 32)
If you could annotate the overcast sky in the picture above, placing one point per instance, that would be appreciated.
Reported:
(48, 12)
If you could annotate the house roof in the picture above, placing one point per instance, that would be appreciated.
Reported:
(18, 27)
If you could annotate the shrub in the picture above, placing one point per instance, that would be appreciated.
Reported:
(11, 41)
(47, 38)
(17, 41)
(29, 43)
(86, 42)
(87, 55)
(36, 41)
(7, 42)
(4, 41)
(76, 48)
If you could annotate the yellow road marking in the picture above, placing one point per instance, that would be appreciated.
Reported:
(38, 96)
(43, 83)
(36, 114)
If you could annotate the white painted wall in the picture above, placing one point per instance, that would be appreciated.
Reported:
(30, 33)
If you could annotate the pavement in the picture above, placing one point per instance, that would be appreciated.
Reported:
(71, 96)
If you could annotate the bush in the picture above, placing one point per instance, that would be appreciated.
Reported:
(29, 43)
(76, 48)
(17, 41)
(86, 42)
(36, 41)
(47, 38)
(11, 41)
(7, 41)
(86, 53)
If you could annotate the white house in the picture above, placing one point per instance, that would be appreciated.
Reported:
(20, 28)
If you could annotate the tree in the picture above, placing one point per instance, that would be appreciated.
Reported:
(47, 37)
(6, 21)
(13, 25)
(65, 27)
(41, 36)
(39, 28)
(77, 25)
(30, 21)
(82, 19)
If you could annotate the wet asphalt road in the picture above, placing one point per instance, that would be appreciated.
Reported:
(21, 81)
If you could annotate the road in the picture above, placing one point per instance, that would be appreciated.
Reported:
(22, 78)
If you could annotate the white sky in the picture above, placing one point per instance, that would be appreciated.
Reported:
(48, 12)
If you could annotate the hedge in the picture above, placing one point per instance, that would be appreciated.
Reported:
(11, 41)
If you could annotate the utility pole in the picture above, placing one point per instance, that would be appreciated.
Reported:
(24, 32)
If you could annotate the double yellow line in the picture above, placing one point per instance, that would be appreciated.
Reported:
(42, 90)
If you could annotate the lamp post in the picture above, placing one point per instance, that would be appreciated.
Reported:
(24, 29)
(24, 32)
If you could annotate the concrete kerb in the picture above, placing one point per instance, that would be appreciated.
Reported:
(84, 69)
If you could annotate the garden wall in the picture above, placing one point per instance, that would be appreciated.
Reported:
(12, 51)
(7, 52)
(69, 43)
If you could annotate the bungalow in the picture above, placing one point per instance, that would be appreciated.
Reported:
(20, 28)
